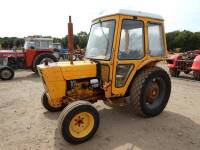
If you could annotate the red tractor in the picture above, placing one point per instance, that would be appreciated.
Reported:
(36, 50)
(186, 62)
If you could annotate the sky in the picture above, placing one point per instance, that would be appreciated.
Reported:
(22, 18)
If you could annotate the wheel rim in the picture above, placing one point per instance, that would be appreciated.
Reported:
(46, 59)
(81, 125)
(155, 93)
(5, 74)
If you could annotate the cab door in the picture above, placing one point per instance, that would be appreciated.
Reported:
(130, 52)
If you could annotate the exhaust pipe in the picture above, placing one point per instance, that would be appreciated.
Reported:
(70, 40)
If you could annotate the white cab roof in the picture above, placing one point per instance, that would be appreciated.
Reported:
(131, 13)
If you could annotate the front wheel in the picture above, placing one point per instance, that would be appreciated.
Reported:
(78, 122)
(6, 73)
(47, 104)
(150, 92)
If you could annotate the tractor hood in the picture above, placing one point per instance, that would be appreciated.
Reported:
(65, 71)
(9, 53)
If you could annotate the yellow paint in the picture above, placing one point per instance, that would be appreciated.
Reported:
(54, 84)
(81, 125)
(79, 70)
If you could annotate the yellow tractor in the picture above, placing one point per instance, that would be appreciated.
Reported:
(119, 68)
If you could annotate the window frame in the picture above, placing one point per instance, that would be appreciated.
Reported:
(162, 33)
(112, 40)
(143, 31)
(129, 73)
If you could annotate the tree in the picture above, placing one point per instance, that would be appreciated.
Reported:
(185, 40)
(82, 38)
(64, 41)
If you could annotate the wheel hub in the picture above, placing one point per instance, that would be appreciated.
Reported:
(81, 124)
(153, 92)
(5, 74)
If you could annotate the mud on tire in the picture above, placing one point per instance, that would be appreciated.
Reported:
(150, 92)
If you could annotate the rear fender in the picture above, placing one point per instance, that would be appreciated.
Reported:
(31, 54)
(196, 64)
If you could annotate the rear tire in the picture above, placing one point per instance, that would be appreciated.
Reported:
(174, 72)
(40, 58)
(196, 75)
(48, 106)
(6, 73)
(150, 92)
(78, 122)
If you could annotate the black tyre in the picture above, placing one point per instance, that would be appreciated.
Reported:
(150, 92)
(78, 122)
(187, 72)
(174, 72)
(46, 104)
(40, 59)
(196, 75)
(6, 73)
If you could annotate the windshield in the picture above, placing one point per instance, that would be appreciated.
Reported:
(100, 40)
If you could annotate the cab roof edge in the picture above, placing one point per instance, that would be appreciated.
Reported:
(130, 13)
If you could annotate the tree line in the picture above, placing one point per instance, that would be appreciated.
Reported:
(80, 39)
(181, 40)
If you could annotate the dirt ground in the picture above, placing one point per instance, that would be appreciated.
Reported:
(25, 124)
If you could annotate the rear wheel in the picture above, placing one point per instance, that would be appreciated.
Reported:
(150, 92)
(6, 73)
(196, 75)
(78, 122)
(47, 104)
(41, 58)
(174, 72)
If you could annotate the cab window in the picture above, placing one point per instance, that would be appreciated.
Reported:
(131, 40)
(155, 37)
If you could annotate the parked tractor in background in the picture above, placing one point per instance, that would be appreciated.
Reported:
(78, 54)
(186, 62)
(119, 68)
(36, 50)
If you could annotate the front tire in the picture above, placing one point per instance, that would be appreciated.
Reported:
(6, 73)
(150, 92)
(47, 105)
(78, 122)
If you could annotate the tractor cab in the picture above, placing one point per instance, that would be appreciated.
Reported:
(123, 42)
(38, 43)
